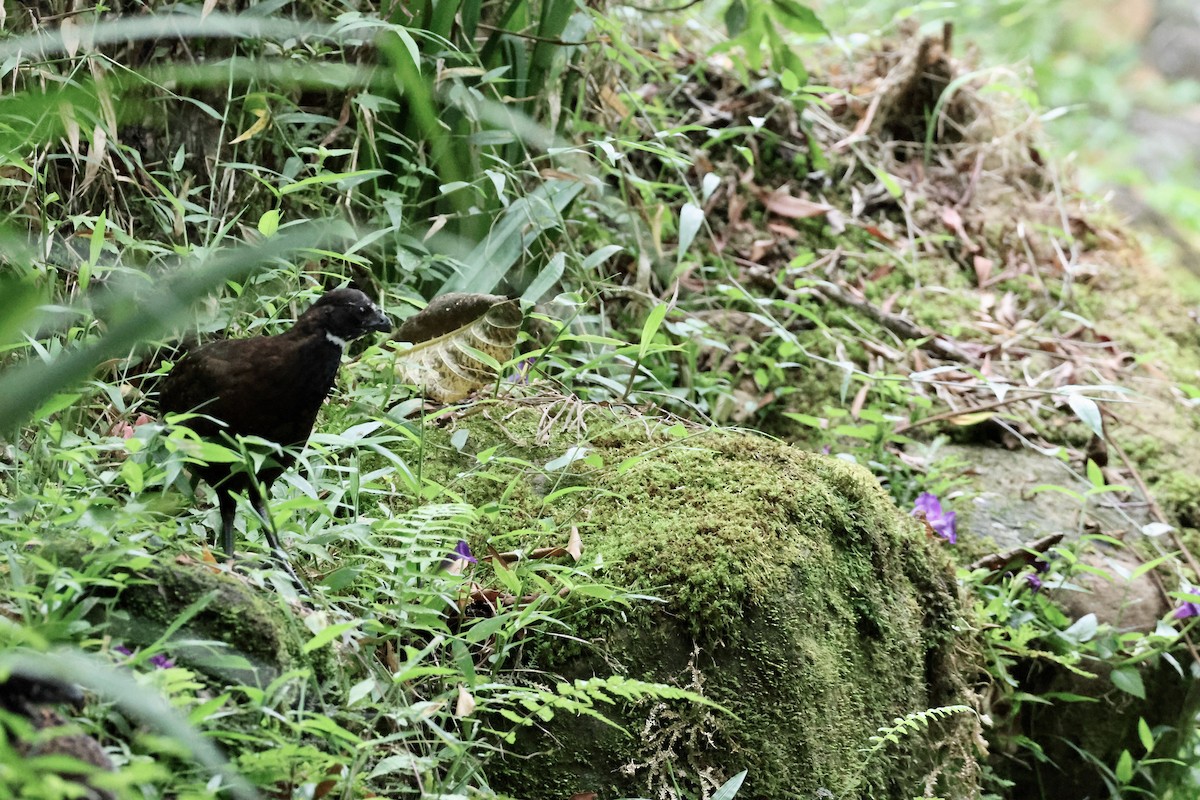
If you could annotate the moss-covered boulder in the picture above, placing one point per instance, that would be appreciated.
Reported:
(218, 624)
(794, 594)
(231, 631)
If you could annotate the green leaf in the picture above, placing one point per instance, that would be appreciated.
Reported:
(206, 709)
(735, 18)
(568, 458)
(1088, 412)
(1145, 736)
(55, 404)
(1095, 476)
(600, 256)
(348, 179)
(1129, 680)
(889, 183)
(327, 635)
(650, 328)
(729, 789)
(268, 223)
(19, 309)
(799, 19)
(510, 239)
(807, 419)
(131, 473)
(546, 280)
(1124, 770)
(1083, 629)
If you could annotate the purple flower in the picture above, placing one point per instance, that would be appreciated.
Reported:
(159, 661)
(1034, 581)
(463, 550)
(942, 522)
(523, 372)
(458, 558)
(1188, 609)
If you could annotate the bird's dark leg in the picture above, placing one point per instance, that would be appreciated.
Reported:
(260, 508)
(228, 506)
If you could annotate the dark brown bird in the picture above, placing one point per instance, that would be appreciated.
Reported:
(30, 695)
(271, 387)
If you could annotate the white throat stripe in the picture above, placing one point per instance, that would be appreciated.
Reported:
(339, 341)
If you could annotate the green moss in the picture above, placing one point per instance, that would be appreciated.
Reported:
(255, 632)
(1179, 493)
(236, 636)
(793, 593)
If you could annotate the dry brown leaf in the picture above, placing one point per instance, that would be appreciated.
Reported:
(881, 271)
(260, 125)
(983, 270)
(326, 786)
(70, 125)
(207, 8)
(860, 399)
(1006, 311)
(954, 221)
(613, 101)
(559, 175)
(758, 249)
(465, 706)
(575, 544)
(878, 234)
(786, 231)
(70, 36)
(785, 205)
(95, 157)
(438, 223)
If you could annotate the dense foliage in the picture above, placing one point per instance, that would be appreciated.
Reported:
(695, 227)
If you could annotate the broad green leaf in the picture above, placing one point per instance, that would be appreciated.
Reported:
(735, 18)
(1124, 770)
(1145, 736)
(1088, 412)
(730, 788)
(546, 280)
(1083, 629)
(268, 223)
(510, 239)
(650, 328)
(327, 635)
(601, 255)
(1129, 680)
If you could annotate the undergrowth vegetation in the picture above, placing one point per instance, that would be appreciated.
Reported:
(871, 257)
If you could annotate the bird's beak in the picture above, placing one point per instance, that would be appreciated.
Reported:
(380, 322)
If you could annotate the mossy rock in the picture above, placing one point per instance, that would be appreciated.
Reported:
(794, 594)
(235, 633)
(239, 635)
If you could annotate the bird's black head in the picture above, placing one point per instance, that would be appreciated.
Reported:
(345, 314)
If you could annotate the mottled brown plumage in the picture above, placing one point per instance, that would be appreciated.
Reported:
(271, 387)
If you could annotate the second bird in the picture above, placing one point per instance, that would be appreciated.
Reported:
(269, 386)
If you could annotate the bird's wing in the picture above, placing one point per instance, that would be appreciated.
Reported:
(215, 380)
(252, 384)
